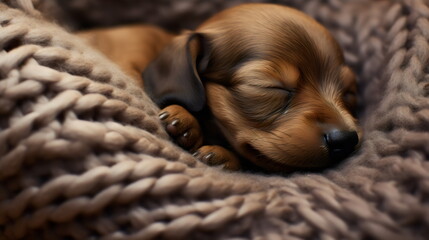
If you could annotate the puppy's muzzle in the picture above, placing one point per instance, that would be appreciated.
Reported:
(341, 143)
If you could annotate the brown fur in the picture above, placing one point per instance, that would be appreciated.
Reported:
(131, 47)
(274, 81)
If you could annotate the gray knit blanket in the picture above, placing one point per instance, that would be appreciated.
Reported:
(83, 155)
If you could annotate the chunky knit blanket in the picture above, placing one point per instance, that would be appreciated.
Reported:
(83, 155)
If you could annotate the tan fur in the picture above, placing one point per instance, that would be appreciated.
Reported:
(131, 47)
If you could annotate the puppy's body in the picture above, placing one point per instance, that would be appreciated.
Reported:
(131, 47)
(270, 78)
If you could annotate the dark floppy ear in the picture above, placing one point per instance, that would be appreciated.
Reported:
(173, 77)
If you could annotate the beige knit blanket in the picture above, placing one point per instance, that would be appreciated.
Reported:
(83, 155)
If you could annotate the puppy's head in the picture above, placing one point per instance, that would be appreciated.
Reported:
(274, 79)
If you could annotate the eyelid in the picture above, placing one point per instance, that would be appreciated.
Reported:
(290, 90)
(279, 86)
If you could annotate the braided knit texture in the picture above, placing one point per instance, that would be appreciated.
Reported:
(83, 155)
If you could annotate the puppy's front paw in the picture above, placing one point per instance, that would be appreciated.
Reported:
(182, 127)
(216, 155)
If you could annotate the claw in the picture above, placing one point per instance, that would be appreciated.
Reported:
(208, 157)
(163, 115)
(195, 154)
(175, 122)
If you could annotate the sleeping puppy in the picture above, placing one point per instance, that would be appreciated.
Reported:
(262, 83)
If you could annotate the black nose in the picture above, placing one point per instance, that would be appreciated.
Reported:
(341, 143)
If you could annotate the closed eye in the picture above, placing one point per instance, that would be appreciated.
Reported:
(288, 93)
(282, 90)
(262, 104)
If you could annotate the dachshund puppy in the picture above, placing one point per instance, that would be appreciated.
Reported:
(263, 83)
